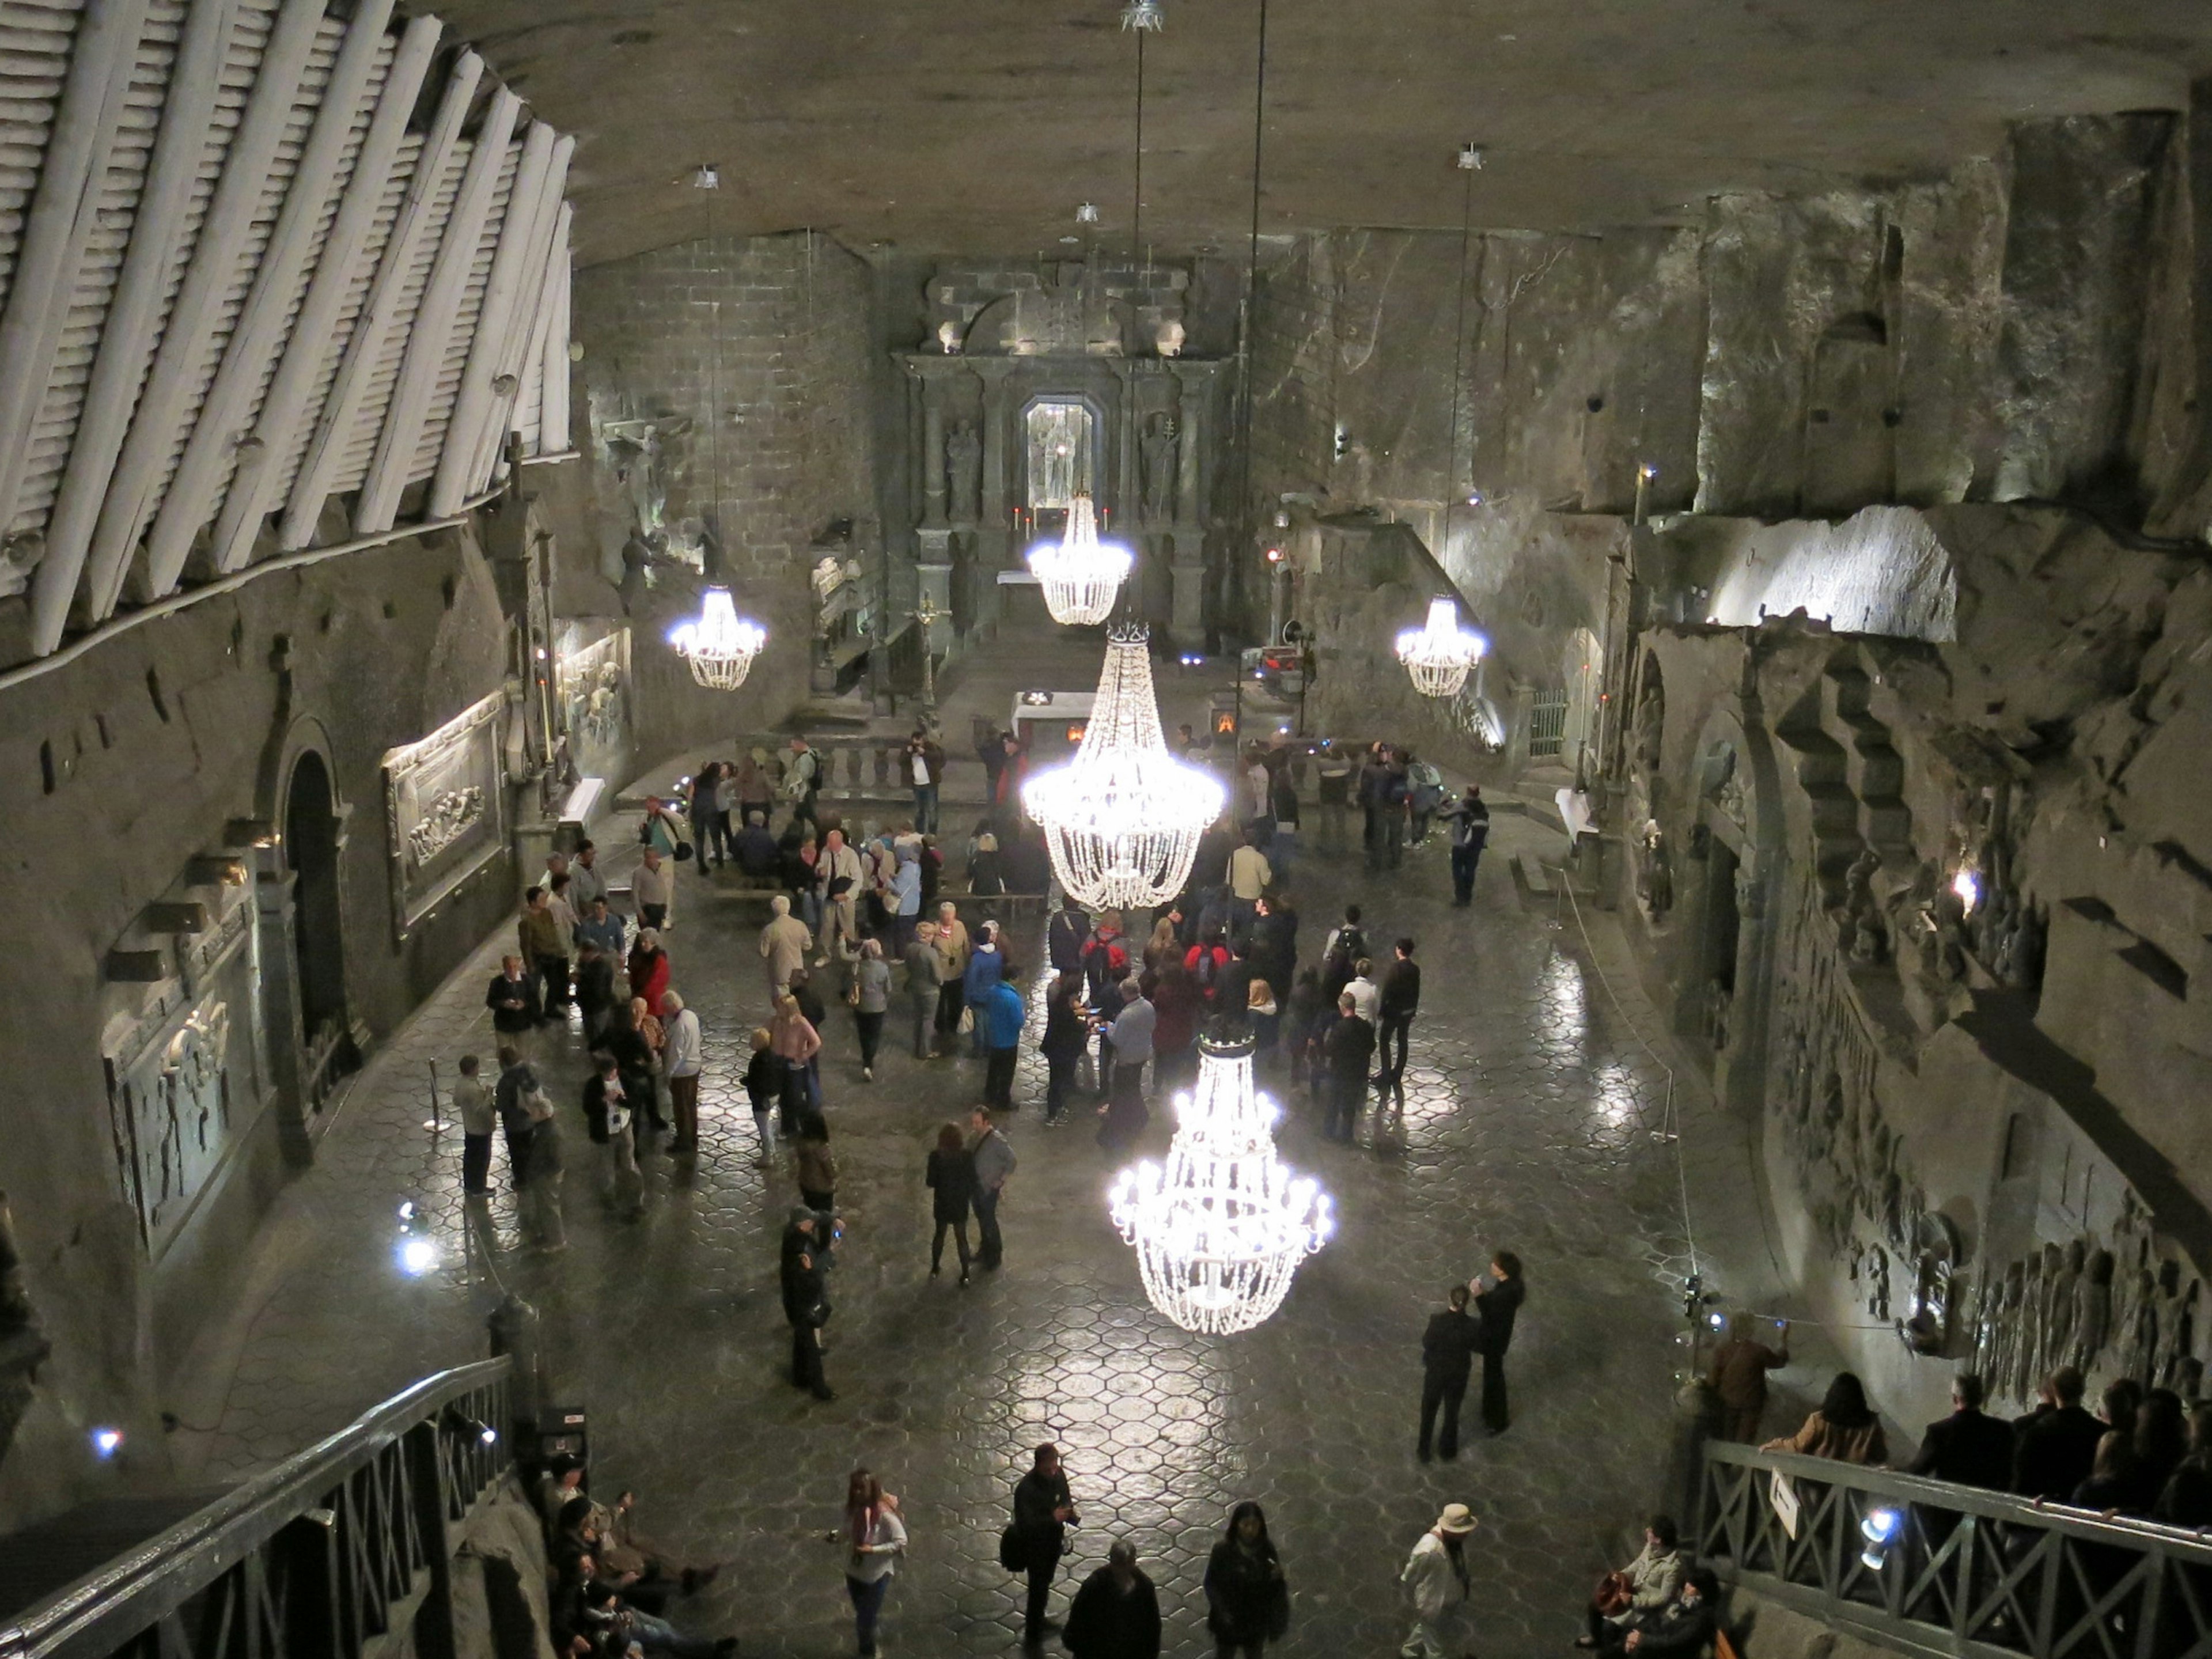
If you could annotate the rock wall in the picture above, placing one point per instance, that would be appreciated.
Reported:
(141, 774)
(731, 385)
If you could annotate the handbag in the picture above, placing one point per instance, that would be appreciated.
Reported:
(682, 851)
(1013, 1554)
(967, 1019)
(840, 885)
(852, 995)
(1613, 1594)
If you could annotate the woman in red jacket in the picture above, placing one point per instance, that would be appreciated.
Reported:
(648, 968)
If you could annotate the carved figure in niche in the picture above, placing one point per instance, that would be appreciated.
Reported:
(1718, 1002)
(1947, 916)
(1169, 337)
(1864, 937)
(2093, 1311)
(633, 450)
(20, 554)
(2172, 1301)
(964, 466)
(16, 1312)
(2189, 1378)
(1654, 870)
(1651, 721)
(2005, 1359)
(2140, 1347)
(2020, 962)
(948, 337)
(1928, 1328)
(1163, 445)
(1984, 1325)
(2062, 1278)
(1876, 1281)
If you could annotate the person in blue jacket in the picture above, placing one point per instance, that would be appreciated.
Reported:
(999, 1016)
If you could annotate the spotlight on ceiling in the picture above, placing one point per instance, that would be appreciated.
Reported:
(709, 177)
(1086, 213)
(1470, 158)
(1143, 15)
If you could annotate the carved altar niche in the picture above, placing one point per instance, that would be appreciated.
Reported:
(443, 810)
(592, 681)
(180, 1049)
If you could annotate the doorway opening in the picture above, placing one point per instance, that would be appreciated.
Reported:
(1724, 927)
(310, 849)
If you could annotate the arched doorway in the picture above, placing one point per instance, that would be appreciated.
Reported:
(311, 852)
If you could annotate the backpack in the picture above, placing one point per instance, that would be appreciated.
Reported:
(1209, 964)
(1345, 947)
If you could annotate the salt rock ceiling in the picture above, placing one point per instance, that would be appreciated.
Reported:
(980, 124)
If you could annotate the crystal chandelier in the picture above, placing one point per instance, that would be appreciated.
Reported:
(1221, 1228)
(1440, 652)
(719, 648)
(1082, 574)
(1123, 817)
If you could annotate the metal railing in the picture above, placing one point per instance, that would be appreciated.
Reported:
(1928, 1567)
(318, 1558)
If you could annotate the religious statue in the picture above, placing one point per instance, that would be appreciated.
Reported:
(1162, 448)
(1654, 871)
(2093, 1311)
(633, 450)
(1169, 338)
(963, 461)
(948, 337)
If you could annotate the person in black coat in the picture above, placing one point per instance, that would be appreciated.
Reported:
(513, 999)
(1969, 1446)
(1400, 1001)
(2187, 1499)
(2055, 1446)
(1682, 1630)
(805, 1300)
(1447, 1350)
(1498, 1306)
(1346, 1046)
(951, 1180)
(1116, 1613)
(1247, 1605)
(1064, 937)
(1044, 1512)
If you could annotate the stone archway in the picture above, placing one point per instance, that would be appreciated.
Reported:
(311, 855)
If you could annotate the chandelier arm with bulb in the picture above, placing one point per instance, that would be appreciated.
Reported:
(1438, 654)
(1221, 1228)
(720, 647)
(1080, 574)
(1122, 819)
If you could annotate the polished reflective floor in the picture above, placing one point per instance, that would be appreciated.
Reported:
(1528, 1123)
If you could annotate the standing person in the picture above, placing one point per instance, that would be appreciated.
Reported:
(1177, 1007)
(516, 1081)
(815, 1165)
(1067, 1035)
(700, 805)
(1373, 785)
(2055, 1446)
(1044, 1512)
(1399, 1001)
(755, 786)
(473, 1105)
(986, 966)
(806, 1301)
(999, 1018)
(1447, 1350)
(1247, 1603)
(1397, 793)
(1436, 1580)
(595, 984)
(645, 1101)
(905, 898)
(587, 884)
(1366, 995)
(802, 780)
(512, 1000)
(1425, 793)
(1341, 957)
(816, 1015)
(784, 942)
(1066, 935)
(1738, 1377)
(1333, 793)
(763, 1087)
(653, 889)
(726, 816)
(1256, 787)
(607, 1122)
(539, 1206)
(1117, 1612)
(953, 952)
(1014, 767)
(872, 1000)
(1470, 830)
(838, 875)
(1639, 1592)
(795, 1042)
(1498, 1306)
(1299, 1017)
(684, 1059)
(874, 1539)
(759, 859)
(1346, 1049)
(991, 749)
(1249, 874)
(925, 767)
(602, 927)
(538, 934)
(995, 1164)
(660, 829)
(1132, 1035)
(950, 1177)
(648, 969)
(920, 956)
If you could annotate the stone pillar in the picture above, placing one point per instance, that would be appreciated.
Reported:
(280, 1001)
(932, 452)
(1187, 632)
(1190, 420)
(994, 534)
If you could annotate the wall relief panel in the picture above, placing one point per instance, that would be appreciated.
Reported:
(443, 809)
(592, 679)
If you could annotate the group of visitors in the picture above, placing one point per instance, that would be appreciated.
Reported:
(1449, 1347)
(611, 1584)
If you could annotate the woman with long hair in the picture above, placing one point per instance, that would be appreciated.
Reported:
(1248, 1603)
(794, 1042)
(874, 1537)
(950, 1178)
(1844, 1428)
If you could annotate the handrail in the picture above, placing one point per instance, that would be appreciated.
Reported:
(103, 1610)
(1953, 1569)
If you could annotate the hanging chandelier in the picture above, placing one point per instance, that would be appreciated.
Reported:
(1439, 652)
(1082, 574)
(1122, 818)
(1221, 1228)
(720, 647)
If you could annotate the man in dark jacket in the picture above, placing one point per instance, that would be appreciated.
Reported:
(1401, 1000)
(516, 1081)
(1498, 1306)
(1065, 938)
(513, 999)
(1470, 829)
(1684, 1630)
(1448, 1349)
(805, 1300)
(758, 855)
(1116, 1613)
(2055, 1446)
(1044, 1512)
(1969, 1446)
(1346, 1048)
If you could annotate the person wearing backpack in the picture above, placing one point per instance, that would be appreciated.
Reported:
(802, 779)
(1208, 963)
(1427, 794)
(1470, 829)
(1340, 958)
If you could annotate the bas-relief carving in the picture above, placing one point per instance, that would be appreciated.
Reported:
(964, 468)
(593, 683)
(442, 808)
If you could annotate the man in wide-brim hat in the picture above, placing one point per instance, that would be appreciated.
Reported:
(1436, 1580)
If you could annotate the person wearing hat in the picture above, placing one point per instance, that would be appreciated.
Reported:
(1436, 1580)
(805, 1299)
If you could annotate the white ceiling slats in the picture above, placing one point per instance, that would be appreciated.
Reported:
(206, 317)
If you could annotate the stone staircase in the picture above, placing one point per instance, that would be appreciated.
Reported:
(1852, 773)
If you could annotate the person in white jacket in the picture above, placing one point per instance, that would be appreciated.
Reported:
(874, 1537)
(1435, 1578)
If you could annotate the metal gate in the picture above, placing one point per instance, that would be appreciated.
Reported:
(1547, 724)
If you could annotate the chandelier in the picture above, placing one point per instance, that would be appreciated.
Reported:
(1082, 575)
(1122, 818)
(720, 647)
(1221, 1228)
(1438, 654)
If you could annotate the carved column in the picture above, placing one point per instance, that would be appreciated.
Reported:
(993, 531)
(1190, 417)
(932, 452)
(279, 1020)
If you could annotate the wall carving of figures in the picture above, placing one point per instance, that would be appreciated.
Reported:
(592, 679)
(963, 471)
(183, 1079)
(443, 810)
(1161, 453)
